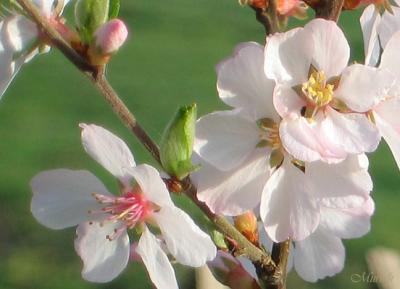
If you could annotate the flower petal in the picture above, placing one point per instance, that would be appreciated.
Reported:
(103, 260)
(287, 102)
(320, 255)
(388, 122)
(108, 150)
(242, 83)
(353, 132)
(185, 241)
(226, 138)
(389, 25)
(288, 56)
(303, 141)
(370, 20)
(20, 33)
(331, 51)
(348, 224)
(156, 261)
(152, 185)
(7, 66)
(362, 87)
(63, 198)
(287, 208)
(343, 185)
(233, 192)
(390, 61)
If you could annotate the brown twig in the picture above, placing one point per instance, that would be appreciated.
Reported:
(327, 9)
(255, 254)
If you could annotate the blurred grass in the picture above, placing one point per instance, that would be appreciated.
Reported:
(168, 61)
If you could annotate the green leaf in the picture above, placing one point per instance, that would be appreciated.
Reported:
(114, 9)
(90, 15)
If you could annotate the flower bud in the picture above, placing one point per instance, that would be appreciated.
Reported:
(230, 272)
(247, 225)
(108, 39)
(176, 145)
(110, 36)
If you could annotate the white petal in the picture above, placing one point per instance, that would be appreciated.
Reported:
(370, 20)
(242, 83)
(351, 131)
(362, 87)
(62, 198)
(287, 208)
(331, 50)
(233, 192)
(185, 240)
(152, 185)
(390, 60)
(103, 260)
(320, 255)
(348, 224)
(226, 138)
(288, 56)
(287, 102)
(20, 33)
(389, 25)
(341, 185)
(108, 150)
(45, 6)
(156, 261)
(388, 122)
(7, 66)
(303, 141)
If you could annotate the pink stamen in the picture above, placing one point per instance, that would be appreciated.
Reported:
(129, 209)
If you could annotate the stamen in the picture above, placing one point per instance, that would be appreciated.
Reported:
(316, 90)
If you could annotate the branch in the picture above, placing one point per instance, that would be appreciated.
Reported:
(260, 258)
(327, 9)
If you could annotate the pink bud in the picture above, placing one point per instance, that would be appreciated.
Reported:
(110, 36)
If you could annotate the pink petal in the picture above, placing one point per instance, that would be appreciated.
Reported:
(108, 150)
(242, 83)
(390, 61)
(156, 261)
(362, 87)
(343, 185)
(319, 256)
(389, 25)
(388, 122)
(185, 240)
(331, 51)
(151, 184)
(370, 20)
(103, 260)
(19, 33)
(287, 208)
(303, 141)
(226, 138)
(288, 56)
(233, 192)
(287, 102)
(63, 198)
(348, 224)
(353, 132)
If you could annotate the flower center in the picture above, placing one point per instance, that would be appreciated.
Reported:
(269, 137)
(129, 209)
(316, 90)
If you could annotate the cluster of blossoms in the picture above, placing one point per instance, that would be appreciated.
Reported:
(292, 149)
(293, 146)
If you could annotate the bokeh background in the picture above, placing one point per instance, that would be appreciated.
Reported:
(168, 61)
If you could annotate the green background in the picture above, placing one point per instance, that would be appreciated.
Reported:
(168, 61)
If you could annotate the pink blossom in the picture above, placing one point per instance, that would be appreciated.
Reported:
(322, 100)
(244, 164)
(64, 198)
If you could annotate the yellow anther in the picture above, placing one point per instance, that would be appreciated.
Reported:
(316, 90)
